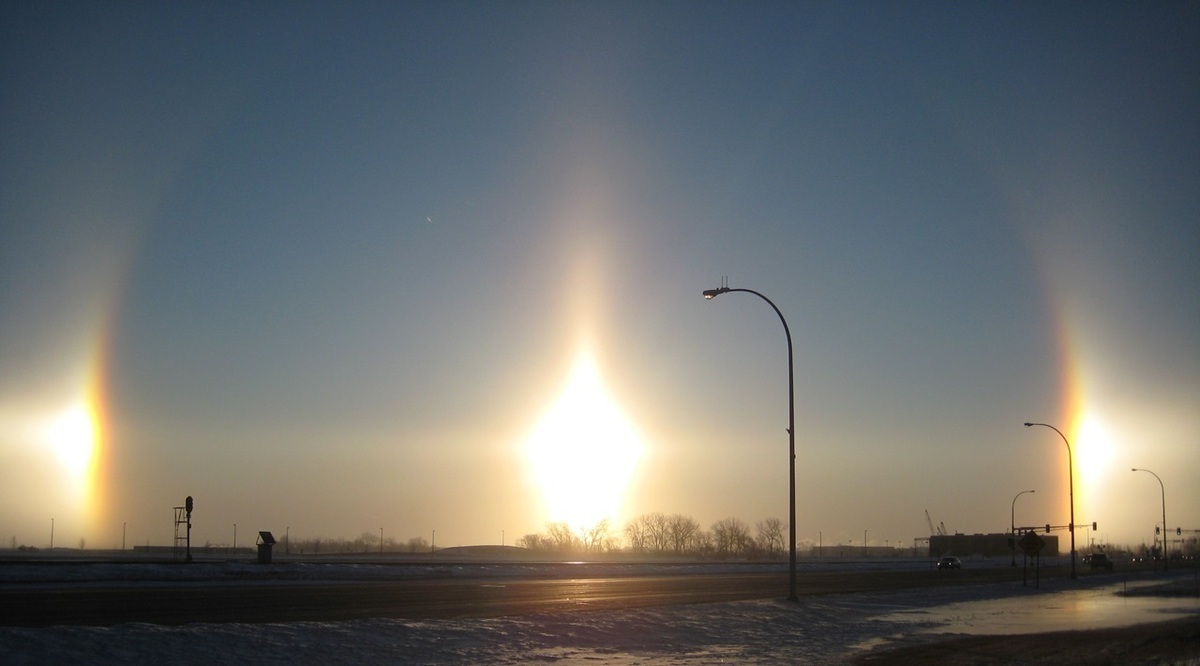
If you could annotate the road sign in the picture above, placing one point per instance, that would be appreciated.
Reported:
(1032, 544)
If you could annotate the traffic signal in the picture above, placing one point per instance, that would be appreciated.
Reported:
(1093, 526)
(1047, 528)
(1178, 531)
(1156, 528)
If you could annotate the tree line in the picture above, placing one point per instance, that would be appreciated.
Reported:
(367, 542)
(663, 534)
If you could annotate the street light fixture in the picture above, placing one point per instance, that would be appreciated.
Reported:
(1012, 522)
(1070, 489)
(709, 294)
(1163, 490)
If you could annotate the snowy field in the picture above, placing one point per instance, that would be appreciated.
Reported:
(820, 629)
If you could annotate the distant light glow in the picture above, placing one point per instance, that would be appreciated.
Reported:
(583, 452)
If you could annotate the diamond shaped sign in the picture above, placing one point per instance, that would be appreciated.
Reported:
(1032, 544)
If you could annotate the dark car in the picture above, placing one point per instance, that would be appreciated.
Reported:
(1099, 561)
(949, 562)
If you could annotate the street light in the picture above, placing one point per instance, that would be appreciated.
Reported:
(1012, 523)
(1070, 488)
(713, 293)
(1163, 490)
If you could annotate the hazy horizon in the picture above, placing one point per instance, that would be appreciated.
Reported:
(438, 267)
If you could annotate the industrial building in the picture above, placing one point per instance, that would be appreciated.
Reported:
(986, 545)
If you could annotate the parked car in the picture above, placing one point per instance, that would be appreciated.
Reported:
(949, 562)
(1099, 561)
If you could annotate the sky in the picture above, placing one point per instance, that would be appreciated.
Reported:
(436, 268)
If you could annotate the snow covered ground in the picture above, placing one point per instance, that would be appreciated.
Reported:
(823, 629)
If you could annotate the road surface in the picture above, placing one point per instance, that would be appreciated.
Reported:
(175, 603)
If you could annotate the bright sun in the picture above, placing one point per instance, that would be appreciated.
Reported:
(72, 435)
(583, 452)
(1093, 455)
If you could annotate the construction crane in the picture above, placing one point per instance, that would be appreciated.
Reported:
(941, 528)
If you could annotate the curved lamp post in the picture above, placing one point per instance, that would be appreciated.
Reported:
(1163, 489)
(713, 293)
(1070, 488)
(1012, 522)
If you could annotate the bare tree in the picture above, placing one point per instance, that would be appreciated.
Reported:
(647, 533)
(536, 542)
(658, 532)
(562, 538)
(680, 530)
(731, 537)
(701, 544)
(368, 542)
(770, 536)
(596, 538)
(635, 534)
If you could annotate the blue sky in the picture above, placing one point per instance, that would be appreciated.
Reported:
(327, 267)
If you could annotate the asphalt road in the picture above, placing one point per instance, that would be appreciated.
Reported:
(283, 601)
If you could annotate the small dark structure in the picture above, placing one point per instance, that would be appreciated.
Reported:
(265, 542)
(183, 542)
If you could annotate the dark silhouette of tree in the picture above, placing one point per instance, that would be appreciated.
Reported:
(635, 535)
(731, 537)
(701, 544)
(596, 539)
(562, 538)
(651, 533)
(681, 531)
(658, 532)
(770, 536)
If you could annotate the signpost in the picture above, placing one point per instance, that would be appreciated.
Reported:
(187, 504)
(1032, 545)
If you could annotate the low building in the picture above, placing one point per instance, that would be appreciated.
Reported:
(986, 545)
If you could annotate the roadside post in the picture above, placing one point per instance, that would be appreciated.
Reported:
(1032, 545)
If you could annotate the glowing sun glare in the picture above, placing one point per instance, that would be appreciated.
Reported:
(1094, 454)
(72, 436)
(583, 452)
